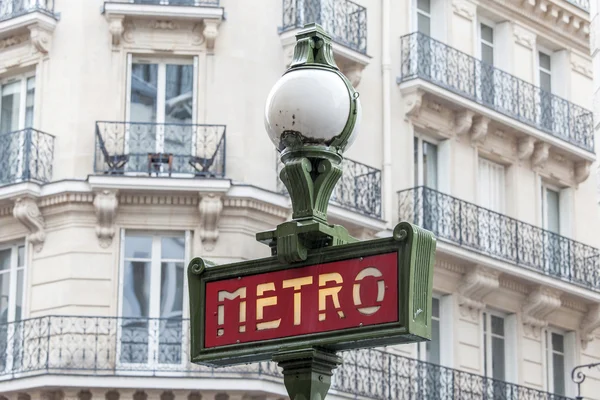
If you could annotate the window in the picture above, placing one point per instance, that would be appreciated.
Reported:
(12, 289)
(551, 208)
(494, 353)
(491, 185)
(17, 96)
(424, 17)
(430, 351)
(556, 371)
(426, 163)
(152, 298)
(545, 77)
(487, 86)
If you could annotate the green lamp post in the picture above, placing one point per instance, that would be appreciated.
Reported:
(312, 116)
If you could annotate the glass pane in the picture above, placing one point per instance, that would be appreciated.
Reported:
(558, 369)
(9, 115)
(558, 343)
(424, 5)
(29, 102)
(487, 55)
(424, 23)
(136, 289)
(416, 159)
(435, 308)
(5, 259)
(21, 257)
(171, 290)
(138, 247)
(433, 347)
(498, 367)
(545, 61)
(552, 211)
(430, 165)
(545, 81)
(144, 82)
(497, 325)
(487, 33)
(179, 93)
(19, 299)
(172, 248)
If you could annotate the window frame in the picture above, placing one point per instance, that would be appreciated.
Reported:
(419, 164)
(502, 208)
(418, 11)
(491, 24)
(422, 346)
(487, 362)
(545, 186)
(540, 69)
(13, 273)
(23, 78)
(548, 352)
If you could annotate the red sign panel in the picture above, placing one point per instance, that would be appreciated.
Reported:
(298, 301)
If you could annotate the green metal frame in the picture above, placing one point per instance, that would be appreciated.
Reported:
(416, 252)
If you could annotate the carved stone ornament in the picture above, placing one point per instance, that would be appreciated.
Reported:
(591, 322)
(538, 305)
(479, 129)
(164, 25)
(353, 72)
(210, 208)
(116, 28)
(27, 212)
(464, 9)
(210, 32)
(540, 154)
(106, 204)
(463, 120)
(412, 103)
(525, 147)
(524, 37)
(476, 285)
(40, 38)
(13, 41)
(582, 171)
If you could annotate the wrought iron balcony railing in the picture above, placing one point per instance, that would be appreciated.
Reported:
(500, 236)
(583, 4)
(193, 3)
(344, 20)
(426, 58)
(14, 8)
(359, 188)
(105, 346)
(136, 147)
(26, 155)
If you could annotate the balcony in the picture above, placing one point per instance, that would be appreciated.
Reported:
(450, 69)
(26, 156)
(583, 4)
(183, 150)
(359, 188)
(344, 20)
(105, 346)
(499, 236)
(15, 8)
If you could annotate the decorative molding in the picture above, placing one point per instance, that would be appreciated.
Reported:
(572, 304)
(540, 154)
(463, 120)
(412, 103)
(106, 204)
(524, 37)
(525, 147)
(210, 32)
(210, 208)
(116, 27)
(27, 212)
(514, 286)
(40, 38)
(538, 305)
(163, 25)
(157, 199)
(464, 9)
(13, 41)
(475, 286)
(582, 171)
(266, 208)
(459, 269)
(66, 198)
(479, 129)
(590, 323)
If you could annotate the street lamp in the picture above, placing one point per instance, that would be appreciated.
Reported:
(312, 116)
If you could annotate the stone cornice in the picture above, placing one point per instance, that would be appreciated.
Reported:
(28, 213)
(257, 205)
(590, 323)
(538, 305)
(475, 286)
(513, 285)
(158, 199)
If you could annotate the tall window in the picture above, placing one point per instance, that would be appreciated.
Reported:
(426, 163)
(487, 87)
(17, 96)
(152, 298)
(556, 371)
(424, 16)
(430, 351)
(494, 351)
(491, 185)
(12, 289)
(545, 77)
(551, 208)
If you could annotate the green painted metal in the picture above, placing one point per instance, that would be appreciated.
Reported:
(416, 252)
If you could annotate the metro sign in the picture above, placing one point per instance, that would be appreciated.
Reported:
(349, 296)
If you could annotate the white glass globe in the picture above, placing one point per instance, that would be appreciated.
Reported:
(312, 102)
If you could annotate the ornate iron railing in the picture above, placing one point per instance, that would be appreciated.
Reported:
(105, 346)
(583, 4)
(26, 155)
(344, 20)
(426, 58)
(161, 149)
(358, 189)
(14, 8)
(500, 236)
(193, 3)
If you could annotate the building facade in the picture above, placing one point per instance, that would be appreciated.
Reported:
(132, 138)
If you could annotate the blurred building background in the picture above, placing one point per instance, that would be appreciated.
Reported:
(132, 137)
